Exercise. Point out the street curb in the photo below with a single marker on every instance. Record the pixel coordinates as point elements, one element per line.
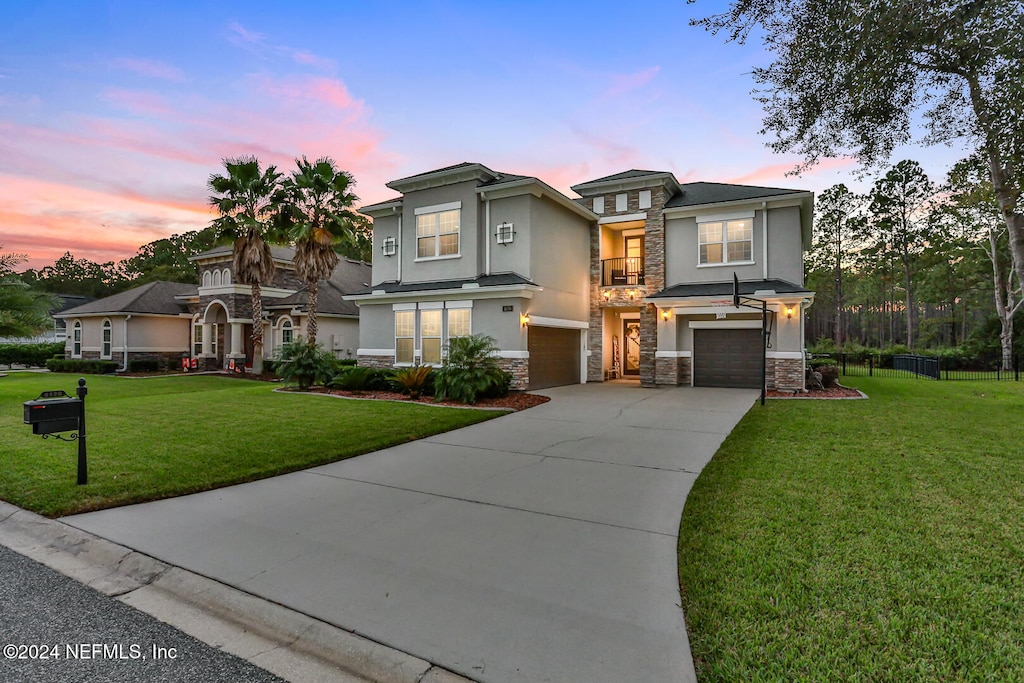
<point>287,643</point>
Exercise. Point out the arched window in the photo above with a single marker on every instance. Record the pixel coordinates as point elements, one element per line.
<point>216,278</point>
<point>107,330</point>
<point>207,278</point>
<point>76,340</point>
<point>227,277</point>
<point>287,332</point>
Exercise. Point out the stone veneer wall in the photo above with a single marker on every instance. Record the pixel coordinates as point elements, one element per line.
<point>519,368</point>
<point>788,374</point>
<point>386,362</point>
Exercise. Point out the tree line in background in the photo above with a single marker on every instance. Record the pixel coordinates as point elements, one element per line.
<point>914,264</point>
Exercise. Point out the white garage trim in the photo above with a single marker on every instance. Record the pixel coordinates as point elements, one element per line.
<point>725,324</point>
<point>543,321</point>
<point>511,354</point>
<point>785,355</point>
<point>673,354</point>
<point>375,352</point>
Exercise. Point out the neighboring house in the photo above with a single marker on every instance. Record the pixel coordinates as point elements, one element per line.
<point>632,279</point>
<point>212,322</point>
<point>57,332</point>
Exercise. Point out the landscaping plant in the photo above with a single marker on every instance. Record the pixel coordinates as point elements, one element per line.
<point>303,364</point>
<point>359,378</point>
<point>414,380</point>
<point>470,371</point>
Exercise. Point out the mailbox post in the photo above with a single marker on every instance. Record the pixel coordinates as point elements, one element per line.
<point>54,412</point>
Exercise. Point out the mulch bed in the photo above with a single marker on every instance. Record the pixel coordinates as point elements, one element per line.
<point>516,400</point>
<point>836,391</point>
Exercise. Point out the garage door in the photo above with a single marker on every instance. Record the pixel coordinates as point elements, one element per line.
<point>727,358</point>
<point>554,356</point>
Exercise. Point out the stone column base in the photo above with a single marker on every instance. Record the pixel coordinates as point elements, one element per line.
<point>788,374</point>
<point>519,368</point>
<point>386,362</point>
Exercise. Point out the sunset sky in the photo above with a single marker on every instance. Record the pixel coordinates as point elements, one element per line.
<point>114,114</point>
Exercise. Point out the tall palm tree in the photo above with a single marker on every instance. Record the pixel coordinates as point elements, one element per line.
<point>249,199</point>
<point>319,217</point>
<point>23,312</point>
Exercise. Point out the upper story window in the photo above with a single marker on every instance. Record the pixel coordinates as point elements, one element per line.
<point>726,241</point>
<point>437,232</point>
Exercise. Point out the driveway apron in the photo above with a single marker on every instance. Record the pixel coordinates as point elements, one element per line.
<point>539,546</point>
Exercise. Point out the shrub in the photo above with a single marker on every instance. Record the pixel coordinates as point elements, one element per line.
<point>144,365</point>
<point>360,378</point>
<point>31,355</point>
<point>413,380</point>
<point>304,364</point>
<point>470,370</point>
<point>81,366</point>
<point>829,375</point>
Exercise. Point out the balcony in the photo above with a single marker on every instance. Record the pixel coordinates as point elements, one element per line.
<point>624,271</point>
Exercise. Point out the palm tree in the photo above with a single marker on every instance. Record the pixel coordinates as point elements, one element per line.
<point>249,200</point>
<point>23,312</point>
<point>318,214</point>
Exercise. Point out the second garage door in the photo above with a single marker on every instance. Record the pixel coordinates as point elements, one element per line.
<point>727,358</point>
<point>554,356</point>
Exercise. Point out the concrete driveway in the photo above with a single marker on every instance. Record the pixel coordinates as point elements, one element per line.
<point>539,546</point>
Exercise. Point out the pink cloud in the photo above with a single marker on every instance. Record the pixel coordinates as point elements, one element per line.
<point>310,59</point>
<point>307,89</point>
<point>137,102</point>
<point>149,68</point>
<point>239,33</point>
<point>624,83</point>
<point>778,174</point>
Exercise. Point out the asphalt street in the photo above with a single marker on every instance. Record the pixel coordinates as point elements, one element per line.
<point>53,628</point>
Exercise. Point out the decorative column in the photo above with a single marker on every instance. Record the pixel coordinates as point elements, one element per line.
<point>237,330</point>
<point>207,339</point>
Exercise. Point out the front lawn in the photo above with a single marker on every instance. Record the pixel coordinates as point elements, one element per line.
<point>878,540</point>
<point>167,436</point>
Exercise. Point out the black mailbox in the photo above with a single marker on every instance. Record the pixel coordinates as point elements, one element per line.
<point>49,416</point>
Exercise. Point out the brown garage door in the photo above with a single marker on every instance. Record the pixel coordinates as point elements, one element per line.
<point>554,356</point>
<point>727,358</point>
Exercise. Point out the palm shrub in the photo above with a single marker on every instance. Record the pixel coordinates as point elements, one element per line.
<point>413,381</point>
<point>304,364</point>
<point>470,370</point>
<point>359,378</point>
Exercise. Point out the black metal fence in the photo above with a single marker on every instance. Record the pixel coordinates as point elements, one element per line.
<point>983,368</point>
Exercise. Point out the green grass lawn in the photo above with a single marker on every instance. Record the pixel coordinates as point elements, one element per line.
<point>161,437</point>
<point>878,540</point>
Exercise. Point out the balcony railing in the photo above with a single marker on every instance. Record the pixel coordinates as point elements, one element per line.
<point>627,270</point>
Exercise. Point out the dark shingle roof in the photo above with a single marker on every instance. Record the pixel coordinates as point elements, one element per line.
<point>349,277</point>
<point>747,288</point>
<point>698,194</point>
<point>280,253</point>
<point>154,297</point>
<point>482,281</point>
<point>625,175</point>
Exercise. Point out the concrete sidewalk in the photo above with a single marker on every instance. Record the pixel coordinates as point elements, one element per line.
<point>540,546</point>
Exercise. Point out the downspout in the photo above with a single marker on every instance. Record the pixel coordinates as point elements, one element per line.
<point>124,343</point>
<point>764,238</point>
<point>399,247</point>
<point>487,235</point>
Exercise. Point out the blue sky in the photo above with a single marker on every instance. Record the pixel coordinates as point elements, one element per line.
<point>114,114</point>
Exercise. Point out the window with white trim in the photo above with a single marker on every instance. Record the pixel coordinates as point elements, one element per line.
<point>107,339</point>
<point>726,241</point>
<point>459,320</point>
<point>389,247</point>
<point>437,234</point>
<point>430,336</point>
<point>405,336</point>
<point>197,337</point>
<point>287,332</point>
<point>76,340</point>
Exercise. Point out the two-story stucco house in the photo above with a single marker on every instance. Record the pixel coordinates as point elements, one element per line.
<point>632,279</point>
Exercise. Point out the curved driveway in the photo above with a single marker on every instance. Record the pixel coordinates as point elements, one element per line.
<point>539,546</point>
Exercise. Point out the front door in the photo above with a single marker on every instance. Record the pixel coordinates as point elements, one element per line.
<point>634,247</point>
<point>631,349</point>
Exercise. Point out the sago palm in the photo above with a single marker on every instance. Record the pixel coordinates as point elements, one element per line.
<point>319,217</point>
<point>249,199</point>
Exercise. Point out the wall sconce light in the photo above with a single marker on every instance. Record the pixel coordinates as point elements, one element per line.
<point>607,294</point>
<point>524,319</point>
<point>632,294</point>
<point>789,311</point>
<point>665,313</point>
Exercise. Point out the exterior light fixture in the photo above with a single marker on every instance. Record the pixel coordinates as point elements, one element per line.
<point>665,313</point>
<point>524,319</point>
<point>632,294</point>
<point>607,294</point>
<point>789,311</point>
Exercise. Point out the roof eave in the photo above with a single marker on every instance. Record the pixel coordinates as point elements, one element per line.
<point>538,188</point>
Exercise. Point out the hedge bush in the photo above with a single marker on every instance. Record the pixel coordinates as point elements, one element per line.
<point>81,366</point>
<point>143,365</point>
<point>32,355</point>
